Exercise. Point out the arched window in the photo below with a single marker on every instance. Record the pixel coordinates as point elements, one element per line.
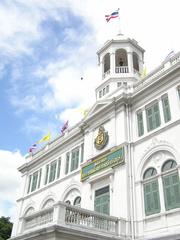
<point>135,61</point>
<point>106,62</point>
<point>121,58</point>
<point>77,201</point>
<point>151,192</point>
<point>171,184</point>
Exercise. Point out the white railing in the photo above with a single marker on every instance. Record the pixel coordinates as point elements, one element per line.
<point>63,214</point>
<point>122,69</point>
<point>37,219</point>
<point>90,219</point>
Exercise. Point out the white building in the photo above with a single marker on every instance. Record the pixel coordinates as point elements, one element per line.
<point>115,175</point>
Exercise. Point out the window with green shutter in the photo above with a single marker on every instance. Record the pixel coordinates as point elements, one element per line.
<point>58,167</point>
<point>52,172</point>
<point>29,184</point>
<point>74,159</point>
<point>153,117</point>
<point>151,192</point>
<point>140,124</point>
<point>171,185</point>
<point>34,181</point>
<point>102,200</point>
<point>166,108</point>
<point>67,163</point>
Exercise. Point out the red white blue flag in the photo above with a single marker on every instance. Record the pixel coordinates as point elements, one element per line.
<point>31,149</point>
<point>112,15</point>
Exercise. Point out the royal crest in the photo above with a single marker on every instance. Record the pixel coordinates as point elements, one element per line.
<point>102,139</point>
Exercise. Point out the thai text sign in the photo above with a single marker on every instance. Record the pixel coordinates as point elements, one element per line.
<point>111,159</point>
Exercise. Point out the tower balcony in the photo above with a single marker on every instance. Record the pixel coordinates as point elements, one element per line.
<point>72,219</point>
<point>121,71</point>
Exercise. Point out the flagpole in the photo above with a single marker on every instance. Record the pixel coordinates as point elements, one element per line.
<point>119,24</point>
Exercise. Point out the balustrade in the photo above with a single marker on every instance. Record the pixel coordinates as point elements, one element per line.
<point>122,69</point>
<point>64,214</point>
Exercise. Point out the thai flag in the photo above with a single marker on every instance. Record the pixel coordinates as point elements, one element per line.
<point>112,15</point>
<point>34,146</point>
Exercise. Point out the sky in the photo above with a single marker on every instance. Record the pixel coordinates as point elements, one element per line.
<point>46,47</point>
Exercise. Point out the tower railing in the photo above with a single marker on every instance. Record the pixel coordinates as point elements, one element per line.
<point>122,69</point>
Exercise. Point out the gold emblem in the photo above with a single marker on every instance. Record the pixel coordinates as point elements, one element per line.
<point>102,139</point>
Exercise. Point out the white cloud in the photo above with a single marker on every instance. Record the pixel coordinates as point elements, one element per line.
<point>10,180</point>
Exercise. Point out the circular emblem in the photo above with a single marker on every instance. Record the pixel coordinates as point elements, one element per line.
<point>102,139</point>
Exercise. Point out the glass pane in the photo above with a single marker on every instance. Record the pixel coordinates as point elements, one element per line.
<point>169,165</point>
<point>149,173</point>
<point>166,108</point>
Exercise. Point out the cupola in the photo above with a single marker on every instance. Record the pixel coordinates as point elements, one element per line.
<point>121,64</point>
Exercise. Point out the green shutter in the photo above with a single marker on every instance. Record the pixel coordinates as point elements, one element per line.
<point>29,184</point>
<point>153,117</point>
<point>52,173</point>
<point>140,124</point>
<point>47,174</point>
<point>171,186</point>
<point>102,201</point>
<point>74,159</point>
<point>39,181</point>
<point>67,164</point>
<point>166,108</point>
<point>34,181</point>
<point>151,197</point>
<point>82,152</point>
<point>59,168</point>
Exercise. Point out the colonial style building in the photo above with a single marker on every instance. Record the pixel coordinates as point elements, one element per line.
<point>115,175</point>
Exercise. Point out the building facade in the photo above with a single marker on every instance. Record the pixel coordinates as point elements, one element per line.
<point>115,175</point>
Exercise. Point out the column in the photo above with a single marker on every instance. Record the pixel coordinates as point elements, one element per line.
<point>112,63</point>
<point>130,62</point>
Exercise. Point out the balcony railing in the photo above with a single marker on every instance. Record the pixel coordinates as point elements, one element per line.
<point>64,215</point>
<point>122,69</point>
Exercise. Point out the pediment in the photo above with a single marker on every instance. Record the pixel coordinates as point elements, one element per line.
<point>98,106</point>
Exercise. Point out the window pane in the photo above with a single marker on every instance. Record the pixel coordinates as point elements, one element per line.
<point>74,159</point>
<point>39,181</point>
<point>102,200</point>
<point>153,117</point>
<point>149,173</point>
<point>151,198</point>
<point>166,108</point>
<point>67,163</point>
<point>29,185</point>
<point>140,124</point>
<point>52,173</point>
<point>169,165</point>
<point>59,168</point>
<point>171,187</point>
<point>34,181</point>
<point>47,174</point>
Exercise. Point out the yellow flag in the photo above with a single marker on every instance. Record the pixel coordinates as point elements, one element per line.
<point>144,74</point>
<point>45,138</point>
<point>84,111</point>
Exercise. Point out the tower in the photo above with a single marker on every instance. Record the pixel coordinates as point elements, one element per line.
<point>121,64</point>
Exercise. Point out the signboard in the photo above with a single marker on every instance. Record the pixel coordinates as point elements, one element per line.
<point>111,159</point>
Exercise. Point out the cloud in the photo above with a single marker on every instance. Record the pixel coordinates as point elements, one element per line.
<point>10,181</point>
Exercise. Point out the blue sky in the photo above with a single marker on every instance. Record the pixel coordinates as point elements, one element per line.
<point>46,46</point>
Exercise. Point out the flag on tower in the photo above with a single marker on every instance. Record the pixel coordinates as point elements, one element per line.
<point>34,146</point>
<point>112,15</point>
<point>65,126</point>
<point>45,138</point>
